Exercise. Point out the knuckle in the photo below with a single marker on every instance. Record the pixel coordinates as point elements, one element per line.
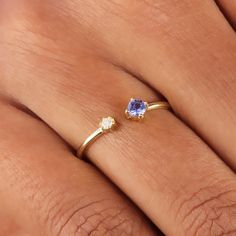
<point>208,212</point>
<point>93,217</point>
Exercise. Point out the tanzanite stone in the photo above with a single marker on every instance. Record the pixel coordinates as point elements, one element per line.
<point>136,108</point>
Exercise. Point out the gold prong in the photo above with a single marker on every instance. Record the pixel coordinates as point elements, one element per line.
<point>127,114</point>
<point>131,99</point>
<point>141,117</point>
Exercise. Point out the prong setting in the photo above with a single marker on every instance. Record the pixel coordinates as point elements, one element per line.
<point>136,109</point>
<point>107,123</point>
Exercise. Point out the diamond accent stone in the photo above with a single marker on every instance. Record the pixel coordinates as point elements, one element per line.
<point>107,123</point>
<point>136,108</point>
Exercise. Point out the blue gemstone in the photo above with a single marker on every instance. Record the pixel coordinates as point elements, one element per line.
<point>136,108</point>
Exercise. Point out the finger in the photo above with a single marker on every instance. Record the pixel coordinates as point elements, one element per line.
<point>184,73</point>
<point>188,55</point>
<point>228,7</point>
<point>48,192</point>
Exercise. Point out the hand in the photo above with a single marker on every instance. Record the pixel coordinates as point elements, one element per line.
<point>65,64</point>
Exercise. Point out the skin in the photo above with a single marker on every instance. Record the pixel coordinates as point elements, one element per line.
<point>64,65</point>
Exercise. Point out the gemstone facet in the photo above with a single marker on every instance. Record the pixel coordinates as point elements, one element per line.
<point>107,123</point>
<point>136,108</point>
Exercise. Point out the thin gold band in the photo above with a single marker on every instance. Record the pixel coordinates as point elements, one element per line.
<point>158,105</point>
<point>88,141</point>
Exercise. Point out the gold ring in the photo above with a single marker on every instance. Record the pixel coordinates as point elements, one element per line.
<point>137,108</point>
<point>106,125</point>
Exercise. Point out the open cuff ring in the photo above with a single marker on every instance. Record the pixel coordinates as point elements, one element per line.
<point>136,110</point>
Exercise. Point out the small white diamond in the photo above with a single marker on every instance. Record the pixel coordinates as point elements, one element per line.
<point>107,123</point>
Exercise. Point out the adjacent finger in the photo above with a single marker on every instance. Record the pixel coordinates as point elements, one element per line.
<point>228,7</point>
<point>48,192</point>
